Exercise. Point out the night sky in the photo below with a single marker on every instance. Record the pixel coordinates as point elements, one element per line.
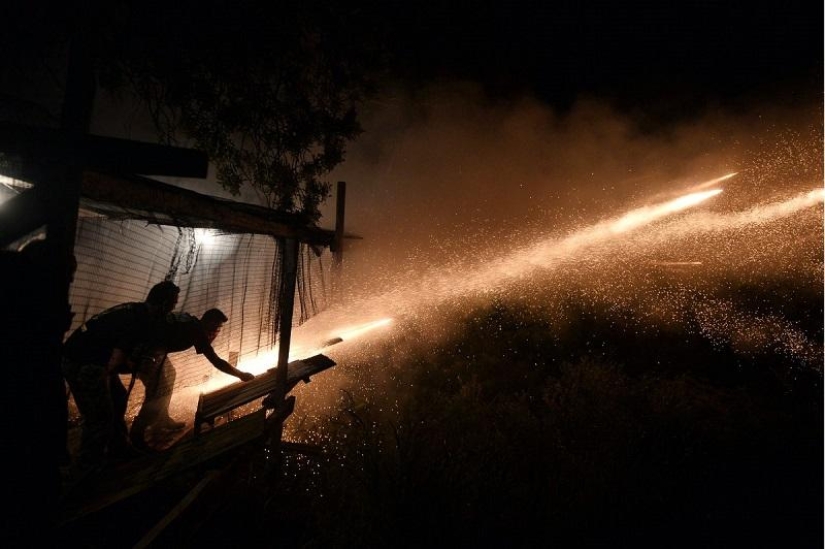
<point>635,53</point>
<point>666,58</point>
<point>498,124</point>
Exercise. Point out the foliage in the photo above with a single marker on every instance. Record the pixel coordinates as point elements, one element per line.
<point>507,433</point>
<point>269,90</point>
<point>515,429</point>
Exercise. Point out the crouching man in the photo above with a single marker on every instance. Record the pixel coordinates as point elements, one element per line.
<point>178,332</point>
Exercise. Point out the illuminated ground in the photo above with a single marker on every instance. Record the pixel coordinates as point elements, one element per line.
<point>651,378</point>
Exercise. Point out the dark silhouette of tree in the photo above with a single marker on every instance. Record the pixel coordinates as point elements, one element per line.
<point>269,90</point>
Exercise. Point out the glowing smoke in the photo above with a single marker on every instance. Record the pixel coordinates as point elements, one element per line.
<point>448,196</point>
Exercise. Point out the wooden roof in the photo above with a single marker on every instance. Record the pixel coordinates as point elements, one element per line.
<point>137,197</point>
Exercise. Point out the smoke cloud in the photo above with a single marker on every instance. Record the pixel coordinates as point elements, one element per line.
<point>446,173</point>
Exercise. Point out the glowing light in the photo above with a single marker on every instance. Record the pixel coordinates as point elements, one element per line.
<point>11,187</point>
<point>603,232</point>
<point>758,215</point>
<point>268,359</point>
<point>351,332</point>
<point>205,237</point>
<point>713,182</point>
<point>644,216</point>
<point>14,183</point>
<point>260,363</point>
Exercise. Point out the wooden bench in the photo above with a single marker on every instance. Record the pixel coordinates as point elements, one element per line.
<point>119,482</point>
<point>224,400</point>
<point>196,447</point>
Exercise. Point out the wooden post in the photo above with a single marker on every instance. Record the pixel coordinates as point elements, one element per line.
<point>286,305</point>
<point>338,246</point>
<point>58,190</point>
<point>76,118</point>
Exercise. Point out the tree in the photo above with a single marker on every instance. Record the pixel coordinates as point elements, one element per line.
<point>269,90</point>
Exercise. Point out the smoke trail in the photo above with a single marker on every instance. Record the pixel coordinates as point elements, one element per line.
<point>597,242</point>
<point>706,222</point>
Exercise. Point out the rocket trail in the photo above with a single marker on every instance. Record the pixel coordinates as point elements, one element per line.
<point>351,332</point>
<point>449,283</point>
<point>708,223</point>
<point>349,321</point>
<point>712,182</point>
<point>548,253</point>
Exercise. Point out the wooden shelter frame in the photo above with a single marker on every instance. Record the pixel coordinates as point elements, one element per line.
<point>69,168</point>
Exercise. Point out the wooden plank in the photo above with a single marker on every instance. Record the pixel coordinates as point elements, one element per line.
<point>135,197</point>
<point>302,370</point>
<point>182,505</point>
<point>216,403</point>
<point>337,247</point>
<point>101,153</point>
<point>135,476</point>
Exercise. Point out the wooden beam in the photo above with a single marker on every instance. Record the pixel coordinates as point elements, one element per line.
<point>282,412</point>
<point>286,305</point>
<point>100,153</point>
<point>340,208</point>
<point>20,216</point>
<point>135,197</point>
<point>176,511</point>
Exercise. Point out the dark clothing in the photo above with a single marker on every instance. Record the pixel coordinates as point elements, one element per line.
<point>33,323</point>
<point>101,400</point>
<point>98,392</point>
<point>179,331</point>
<point>119,327</point>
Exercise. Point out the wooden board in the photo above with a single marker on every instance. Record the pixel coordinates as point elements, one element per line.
<point>102,153</point>
<point>191,448</point>
<point>117,483</point>
<point>216,403</point>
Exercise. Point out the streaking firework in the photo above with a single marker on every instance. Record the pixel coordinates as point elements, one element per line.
<point>645,216</point>
<point>352,332</point>
<point>545,254</point>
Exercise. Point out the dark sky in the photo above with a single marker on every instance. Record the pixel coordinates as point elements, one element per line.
<point>652,54</point>
<point>636,53</point>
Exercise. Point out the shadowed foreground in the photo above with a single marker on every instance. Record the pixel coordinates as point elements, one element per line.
<point>526,433</point>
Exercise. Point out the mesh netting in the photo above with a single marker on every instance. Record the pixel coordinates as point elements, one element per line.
<point>119,261</point>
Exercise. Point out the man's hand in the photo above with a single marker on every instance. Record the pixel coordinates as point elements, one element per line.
<point>246,376</point>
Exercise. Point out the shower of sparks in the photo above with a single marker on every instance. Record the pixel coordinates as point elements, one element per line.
<point>352,332</point>
<point>269,359</point>
<point>613,240</point>
<point>549,253</point>
<point>546,254</point>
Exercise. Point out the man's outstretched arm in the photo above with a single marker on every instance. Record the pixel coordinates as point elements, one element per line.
<point>225,367</point>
